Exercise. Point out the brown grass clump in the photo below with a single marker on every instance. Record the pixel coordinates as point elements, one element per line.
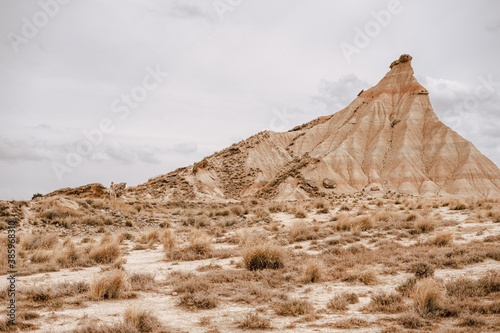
<point>201,245</point>
<point>43,241</point>
<point>359,223</point>
<point>368,277</point>
<point>150,237</point>
<point>301,231</point>
<point>441,239</point>
<point>350,323</point>
<point>464,288</point>
<point>423,225</point>
<point>427,296</point>
<point>203,300</point>
<point>142,281</point>
<point>412,320</point>
<point>313,272</point>
<point>341,301</point>
<point>260,256</point>
<point>168,240</point>
<point>300,213</point>
<point>41,256</point>
<point>422,270</point>
<point>106,251</point>
<point>389,303</point>
<point>108,286</point>
<point>142,320</point>
<point>254,321</point>
<point>293,307</point>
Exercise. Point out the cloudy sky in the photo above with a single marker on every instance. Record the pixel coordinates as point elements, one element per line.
<point>124,90</point>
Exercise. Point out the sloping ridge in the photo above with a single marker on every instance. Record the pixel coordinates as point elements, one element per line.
<point>387,139</point>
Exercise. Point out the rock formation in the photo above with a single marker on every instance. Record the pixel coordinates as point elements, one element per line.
<point>387,139</point>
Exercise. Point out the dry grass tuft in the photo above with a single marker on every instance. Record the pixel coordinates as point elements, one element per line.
<point>422,270</point>
<point>441,239</point>
<point>350,223</point>
<point>427,296</point>
<point>341,301</point>
<point>389,303</point>
<point>423,225</point>
<point>313,272</point>
<point>301,231</point>
<point>110,285</point>
<point>168,240</point>
<point>150,237</point>
<point>293,307</point>
<point>43,241</point>
<point>142,281</point>
<point>144,321</point>
<point>260,256</point>
<point>106,251</point>
<point>254,321</point>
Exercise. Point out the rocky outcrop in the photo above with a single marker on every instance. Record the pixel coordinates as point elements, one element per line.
<point>387,139</point>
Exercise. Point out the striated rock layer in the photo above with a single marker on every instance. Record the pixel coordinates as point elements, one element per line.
<point>387,139</point>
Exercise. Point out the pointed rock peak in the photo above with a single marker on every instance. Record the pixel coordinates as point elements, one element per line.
<point>405,58</point>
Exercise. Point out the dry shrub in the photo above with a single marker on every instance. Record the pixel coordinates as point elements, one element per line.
<point>200,244</point>
<point>351,323</point>
<point>168,240</point>
<point>313,272</point>
<point>142,320</point>
<point>200,299</point>
<point>43,241</point>
<point>472,321</point>
<point>150,237</point>
<point>458,205</point>
<point>301,231</point>
<point>41,256</point>
<point>254,321</point>
<point>142,281</point>
<point>406,288</point>
<point>341,301</point>
<point>463,288</point>
<point>293,307</point>
<point>238,210</point>
<point>412,320</point>
<point>384,302</point>
<point>259,256</point>
<point>106,251</point>
<point>441,239</point>
<point>300,213</point>
<point>69,255</point>
<point>109,285</point>
<point>276,208</point>
<point>422,270</point>
<point>367,276</point>
<point>423,225</point>
<point>39,293</point>
<point>427,296</point>
<point>350,223</point>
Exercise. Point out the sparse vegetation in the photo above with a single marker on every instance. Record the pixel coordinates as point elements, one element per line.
<point>260,256</point>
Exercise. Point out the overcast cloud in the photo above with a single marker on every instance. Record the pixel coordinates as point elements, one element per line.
<point>209,73</point>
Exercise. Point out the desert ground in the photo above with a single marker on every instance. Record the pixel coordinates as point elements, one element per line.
<point>386,263</point>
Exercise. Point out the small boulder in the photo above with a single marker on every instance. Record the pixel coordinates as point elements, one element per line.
<point>329,183</point>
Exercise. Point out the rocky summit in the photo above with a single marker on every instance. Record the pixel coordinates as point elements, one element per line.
<point>387,140</point>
